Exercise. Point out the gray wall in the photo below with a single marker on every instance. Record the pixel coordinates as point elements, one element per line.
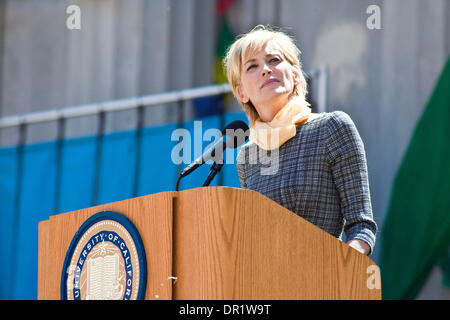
<point>125,48</point>
<point>382,78</point>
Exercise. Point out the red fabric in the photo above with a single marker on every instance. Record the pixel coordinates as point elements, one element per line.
<point>223,6</point>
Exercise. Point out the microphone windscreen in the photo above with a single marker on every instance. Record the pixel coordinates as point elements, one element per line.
<point>237,124</point>
<point>237,133</point>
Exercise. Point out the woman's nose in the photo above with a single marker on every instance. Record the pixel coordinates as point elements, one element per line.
<point>266,70</point>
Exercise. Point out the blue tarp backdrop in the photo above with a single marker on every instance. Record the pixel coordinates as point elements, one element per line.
<point>40,176</point>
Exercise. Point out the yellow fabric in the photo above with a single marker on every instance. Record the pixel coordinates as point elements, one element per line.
<point>272,135</point>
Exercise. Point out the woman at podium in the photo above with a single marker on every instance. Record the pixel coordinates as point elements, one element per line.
<point>312,164</point>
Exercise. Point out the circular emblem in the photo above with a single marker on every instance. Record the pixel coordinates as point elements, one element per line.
<point>105,261</point>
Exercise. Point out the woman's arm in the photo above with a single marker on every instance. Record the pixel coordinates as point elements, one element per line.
<point>240,162</point>
<point>348,165</point>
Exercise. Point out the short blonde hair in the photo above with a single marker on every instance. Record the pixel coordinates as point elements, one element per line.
<point>250,44</point>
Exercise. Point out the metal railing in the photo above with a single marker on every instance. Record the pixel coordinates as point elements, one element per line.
<point>110,106</point>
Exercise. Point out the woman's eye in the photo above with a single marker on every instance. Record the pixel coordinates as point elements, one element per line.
<point>250,67</point>
<point>274,59</point>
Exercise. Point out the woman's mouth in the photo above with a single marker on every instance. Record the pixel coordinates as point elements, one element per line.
<point>269,82</point>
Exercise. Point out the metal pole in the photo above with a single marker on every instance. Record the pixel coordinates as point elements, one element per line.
<point>98,157</point>
<point>322,89</point>
<point>116,105</point>
<point>17,204</point>
<point>139,131</point>
<point>59,163</point>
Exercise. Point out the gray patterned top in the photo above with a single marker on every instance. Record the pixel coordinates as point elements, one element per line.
<point>319,174</point>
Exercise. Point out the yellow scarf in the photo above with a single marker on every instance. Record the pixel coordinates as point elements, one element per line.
<point>271,135</point>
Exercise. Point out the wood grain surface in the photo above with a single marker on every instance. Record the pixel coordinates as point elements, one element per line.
<point>237,244</point>
<point>220,243</point>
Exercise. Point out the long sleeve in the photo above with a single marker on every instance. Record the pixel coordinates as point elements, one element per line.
<point>347,161</point>
<point>240,161</point>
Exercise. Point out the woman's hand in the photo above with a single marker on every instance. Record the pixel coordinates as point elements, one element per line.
<point>359,245</point>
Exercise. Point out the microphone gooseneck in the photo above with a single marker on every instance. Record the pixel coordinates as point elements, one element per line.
<point>233,135</point>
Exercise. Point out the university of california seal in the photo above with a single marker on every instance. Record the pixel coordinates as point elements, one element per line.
<point>105,261</point>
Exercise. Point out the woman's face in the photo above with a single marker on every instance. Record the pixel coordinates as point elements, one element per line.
<point>267,80</point>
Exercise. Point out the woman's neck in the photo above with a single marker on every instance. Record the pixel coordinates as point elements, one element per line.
<point>274,106</point>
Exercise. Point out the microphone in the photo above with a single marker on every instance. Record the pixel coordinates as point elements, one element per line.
<point>232,137</point>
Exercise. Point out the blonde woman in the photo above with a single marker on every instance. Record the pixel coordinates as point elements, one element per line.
<point>321,173</point>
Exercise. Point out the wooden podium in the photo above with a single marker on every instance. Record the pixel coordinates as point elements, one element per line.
<point>220,243</point>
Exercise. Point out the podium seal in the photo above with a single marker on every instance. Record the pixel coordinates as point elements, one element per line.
<point>105,261</point>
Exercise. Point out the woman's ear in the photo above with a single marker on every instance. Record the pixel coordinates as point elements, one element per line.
<point>295,76</point>
<point>242,96</point>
